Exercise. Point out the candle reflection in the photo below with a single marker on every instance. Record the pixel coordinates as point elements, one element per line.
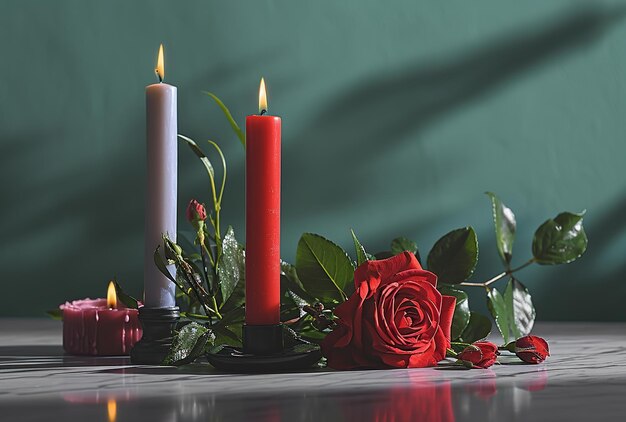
<point>112,410</point>
<point>440,396</point>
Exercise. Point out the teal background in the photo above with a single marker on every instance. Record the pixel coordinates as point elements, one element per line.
<point>397,116</point>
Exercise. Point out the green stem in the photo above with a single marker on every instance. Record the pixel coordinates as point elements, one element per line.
<point>205,269</point>
<point>206,251</point>
<point>499,276</point>
<point>217,312</point>
<point>198,295</point>
<point>217,201</point>
<point>529,262</point>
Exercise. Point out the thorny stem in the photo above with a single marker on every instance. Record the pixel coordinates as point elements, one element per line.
<point>499,276</point>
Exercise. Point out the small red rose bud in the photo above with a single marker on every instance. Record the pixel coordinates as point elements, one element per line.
<point>532,349</point>
<point>481,354</point>
<point>195,211</point>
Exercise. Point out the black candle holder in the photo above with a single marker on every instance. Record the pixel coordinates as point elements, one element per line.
<point>158,327</point>
<point>264,350</point>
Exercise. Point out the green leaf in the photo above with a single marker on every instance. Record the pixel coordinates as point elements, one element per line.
<point>291,284</point>
<point>201,155</point>
<point>324,268</point>
<point>237,299</point>
<point>127,300</point>
<point>521,309</point>
<point>228,335</point>
<point>479,327</point>
<point>361,255</point>
<point>461,317</point>
<point>236,316</point>
<point>199,318</point>
<point>231,267</point>
<point>504,222</point>
<point>228,329</point>
<point>560,240</point>
<point>500,312</point>
<point>190,342</point>
<point>229,117</point>
<point>56,314</point>
<point>161,265</point>
<point>401,244</point>
<point>454,256</point>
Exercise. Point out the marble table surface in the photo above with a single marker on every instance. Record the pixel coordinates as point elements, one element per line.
<point>584,379</point>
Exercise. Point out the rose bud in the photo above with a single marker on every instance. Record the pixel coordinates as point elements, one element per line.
<point>195,211</point>
<point>481,354</point>
<point>532,349</point>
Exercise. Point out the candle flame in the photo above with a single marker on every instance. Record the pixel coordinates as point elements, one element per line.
<point>111,296</point>
<point>262,98</point>
<point>112,410</point>
<point>160,68</point>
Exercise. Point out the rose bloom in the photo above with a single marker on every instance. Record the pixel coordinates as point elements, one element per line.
<point>396,318</point>
<point>532,349</point>
<point>481,354</point>
<point>195,211</point>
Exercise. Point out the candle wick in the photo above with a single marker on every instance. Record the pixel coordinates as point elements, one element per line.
<point>158,75</point>
<point>264,111</point>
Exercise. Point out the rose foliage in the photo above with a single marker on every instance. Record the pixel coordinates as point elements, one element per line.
<point>385,310</point>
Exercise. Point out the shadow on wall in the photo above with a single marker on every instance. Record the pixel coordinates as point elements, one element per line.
<point>373,117</point>
<point>73,236</point>
<point>400,103</point>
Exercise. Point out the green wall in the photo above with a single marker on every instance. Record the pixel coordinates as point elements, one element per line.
<point>397,116</point>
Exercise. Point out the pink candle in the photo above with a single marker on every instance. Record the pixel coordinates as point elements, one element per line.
<point>99,326</point>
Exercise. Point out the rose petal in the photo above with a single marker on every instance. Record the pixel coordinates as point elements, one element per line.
<point>386,268</point>
<point>423,360</point>
<point>418,275</point>
<point>448,303</point>
<point>395,361</point>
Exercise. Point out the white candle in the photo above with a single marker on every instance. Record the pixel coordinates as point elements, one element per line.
<point>160,214</point>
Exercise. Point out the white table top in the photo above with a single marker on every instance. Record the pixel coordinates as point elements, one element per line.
<point>584,379</point>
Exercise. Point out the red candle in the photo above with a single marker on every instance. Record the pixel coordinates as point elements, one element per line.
<point>262,216</point>
<point>99,326</point>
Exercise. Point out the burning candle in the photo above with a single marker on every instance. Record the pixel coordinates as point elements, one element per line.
<point>99,326</point>
<point>162,161</point>
<point>262,216</point>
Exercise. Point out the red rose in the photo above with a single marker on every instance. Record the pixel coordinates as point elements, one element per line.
<point>481,354</point>
<point>195,211</point>
<point>396,318</point>
<point>532,349</point>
